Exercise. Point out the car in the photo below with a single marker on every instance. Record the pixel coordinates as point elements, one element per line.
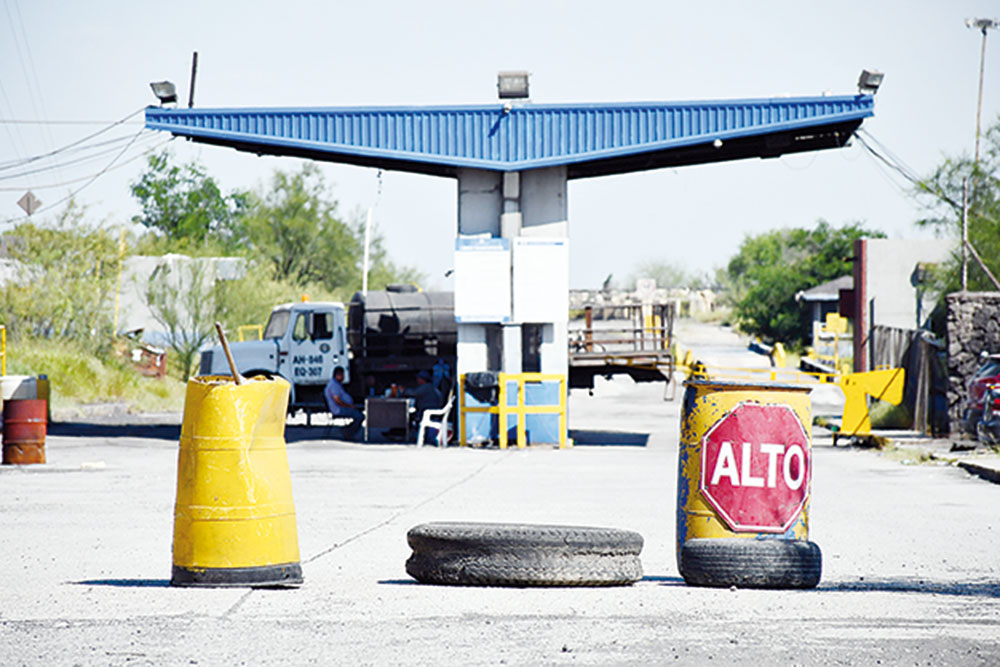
<point>986,375</point>
<point>988,429</point>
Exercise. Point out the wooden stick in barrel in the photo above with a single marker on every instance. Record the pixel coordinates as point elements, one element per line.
<point>229,355</point>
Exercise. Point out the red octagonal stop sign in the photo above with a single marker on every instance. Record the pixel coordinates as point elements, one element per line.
<point>756,467</point>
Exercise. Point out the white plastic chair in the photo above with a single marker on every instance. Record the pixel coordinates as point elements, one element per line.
<point>437,419</point>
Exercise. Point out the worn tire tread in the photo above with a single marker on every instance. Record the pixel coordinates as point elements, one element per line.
<point>480,554</point>
<point>750,563</point>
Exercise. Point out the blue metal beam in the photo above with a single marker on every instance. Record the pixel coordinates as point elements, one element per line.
<point>589,139</point>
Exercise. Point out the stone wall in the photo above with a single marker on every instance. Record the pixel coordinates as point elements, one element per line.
<point>973,327</point>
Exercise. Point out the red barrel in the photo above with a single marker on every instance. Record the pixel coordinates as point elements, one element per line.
<point>24,427</point>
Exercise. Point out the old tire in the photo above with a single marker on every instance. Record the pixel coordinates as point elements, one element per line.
<point>750,563</point>
<point>499,554</point>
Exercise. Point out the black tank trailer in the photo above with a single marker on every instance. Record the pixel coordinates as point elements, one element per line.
<point>395,333</point>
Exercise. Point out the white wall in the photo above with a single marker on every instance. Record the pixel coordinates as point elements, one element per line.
<point>889,265</point>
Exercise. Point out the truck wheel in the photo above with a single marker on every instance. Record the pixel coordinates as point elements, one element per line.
<point>522,555</point>
<point>750,563</point>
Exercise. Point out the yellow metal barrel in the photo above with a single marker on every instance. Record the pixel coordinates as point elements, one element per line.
<point>234,520</point>
<point>43,389</point>
<point>744,463</point>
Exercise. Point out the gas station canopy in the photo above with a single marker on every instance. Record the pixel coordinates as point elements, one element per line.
<point>588,139</point>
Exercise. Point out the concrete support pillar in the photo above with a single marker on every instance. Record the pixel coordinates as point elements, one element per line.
<point>514,205</point>
<point>512,348</point>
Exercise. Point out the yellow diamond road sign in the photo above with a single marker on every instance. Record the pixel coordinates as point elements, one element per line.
<point>29,202</point>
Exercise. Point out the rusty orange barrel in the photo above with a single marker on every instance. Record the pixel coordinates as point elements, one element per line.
<point>234,519</point>
<point>743,485</point>
<point>24,428</point>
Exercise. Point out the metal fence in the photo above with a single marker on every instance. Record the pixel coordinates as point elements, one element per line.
<point>922,355</point>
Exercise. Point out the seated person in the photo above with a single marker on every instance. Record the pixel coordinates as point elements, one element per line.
<point>339,402</point>
<point>424,395</point>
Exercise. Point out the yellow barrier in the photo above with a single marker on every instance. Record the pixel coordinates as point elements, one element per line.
<point>885,384</point>
<point>259,328</point>
<point>234,521</point>
<point>502,410</point>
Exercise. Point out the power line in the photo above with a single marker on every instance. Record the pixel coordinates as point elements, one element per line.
<point>890,159</point>
<point>144,153</point>
<point>11,164</point>
<point>35,158</point>
<point>79,160</point>
<point>35,96</point>
<point>27,121</point>
<point>89,182</point>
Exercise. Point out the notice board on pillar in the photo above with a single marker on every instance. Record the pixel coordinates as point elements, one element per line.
<point>482,279</point>
<point>541,279</point>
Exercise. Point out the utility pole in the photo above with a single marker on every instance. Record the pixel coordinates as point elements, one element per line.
<point>965,235</point>
<point>982,25</point>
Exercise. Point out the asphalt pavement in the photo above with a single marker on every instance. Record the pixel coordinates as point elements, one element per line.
<point>911,554</point>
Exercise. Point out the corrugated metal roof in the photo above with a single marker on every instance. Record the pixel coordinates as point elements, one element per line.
<point>590,139</point>
<point>828,291</point>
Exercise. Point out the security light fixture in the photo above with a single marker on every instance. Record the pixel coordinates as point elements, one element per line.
<point>165,91</point>
<point>869,81</point>
<point>983,24</point>
<point>512,85</point>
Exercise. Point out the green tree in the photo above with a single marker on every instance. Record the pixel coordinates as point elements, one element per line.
<point>65,275</point>
<point>941,193</point>
<point>771,268</point>
<point>182,296</point>
<point>183,203</point>
<point>294,226</point>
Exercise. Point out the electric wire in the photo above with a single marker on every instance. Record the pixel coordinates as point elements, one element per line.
<point>150,149</point>
<point>15,142</point>
<point>28,121</point>
<point>898,166</point>
<point>27,62</point>
<point>88,183</point>
<point>78,149</point>
<point>886,157</point>
<point>76,161</point>
<point>42,156</point>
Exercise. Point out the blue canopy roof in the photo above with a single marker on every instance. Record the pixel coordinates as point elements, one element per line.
<point>589,139</point>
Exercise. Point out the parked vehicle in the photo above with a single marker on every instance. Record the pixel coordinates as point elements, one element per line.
<point>986,375</point>
<point>988,429</point>
<point>381,339</point>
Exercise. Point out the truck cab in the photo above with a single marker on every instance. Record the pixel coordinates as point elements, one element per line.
<point>302,342</point>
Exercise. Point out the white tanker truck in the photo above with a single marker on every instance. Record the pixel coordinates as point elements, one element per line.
<point>388,336</point>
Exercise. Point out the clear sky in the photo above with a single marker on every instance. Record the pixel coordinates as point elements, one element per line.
<point>93,61</point>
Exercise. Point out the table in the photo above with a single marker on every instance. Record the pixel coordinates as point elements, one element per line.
<point>384,413</point>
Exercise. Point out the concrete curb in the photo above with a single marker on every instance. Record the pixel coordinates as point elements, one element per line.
<point>990,474</point>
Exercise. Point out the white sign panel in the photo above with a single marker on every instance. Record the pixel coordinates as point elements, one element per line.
<point>482,279</point>
<point>541,279</point>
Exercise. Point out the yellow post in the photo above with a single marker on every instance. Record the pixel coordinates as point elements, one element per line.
<point>258,328</point>
<point>502,413</point>
<point>234,520</point>
<point>118,291</point>
<point>3,350</point>
<point>461,411</point>
<point>563,441</point>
